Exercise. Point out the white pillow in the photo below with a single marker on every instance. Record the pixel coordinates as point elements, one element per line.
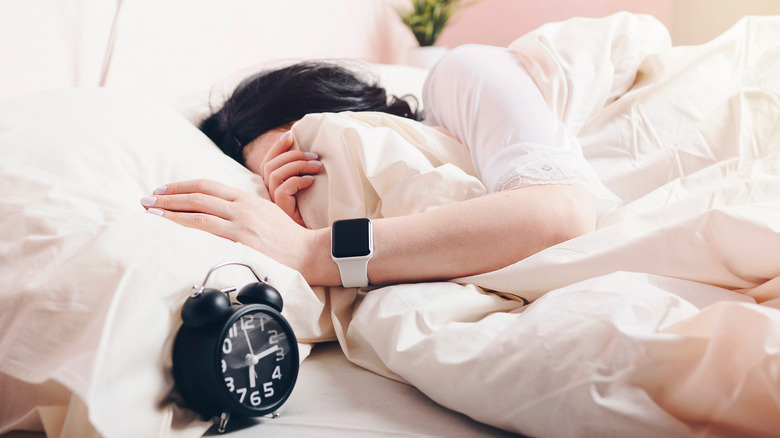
<point>92,284</point>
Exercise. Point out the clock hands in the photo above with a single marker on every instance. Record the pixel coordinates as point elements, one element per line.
<point>252,359</point>
<point>256,358</point>
<point>252,376</point>
<point>249,360</point>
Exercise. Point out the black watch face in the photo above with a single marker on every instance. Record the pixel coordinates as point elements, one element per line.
<point>258,360</point>
<point>350,238</point>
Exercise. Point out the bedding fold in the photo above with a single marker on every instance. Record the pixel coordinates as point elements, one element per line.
<point>629,324</point>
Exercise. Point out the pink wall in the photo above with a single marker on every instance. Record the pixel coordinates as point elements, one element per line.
<point>499,22</point>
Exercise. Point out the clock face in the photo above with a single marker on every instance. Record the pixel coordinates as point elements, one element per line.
<point>258,360</point>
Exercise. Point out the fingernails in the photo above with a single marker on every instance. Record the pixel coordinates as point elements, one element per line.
<point>285,135</point>
<point>307,176</point>
<point>155,211</point>
<point>148,201</point>
<point>312,155</point>
<point>160,190</point>
<point>315,162</point>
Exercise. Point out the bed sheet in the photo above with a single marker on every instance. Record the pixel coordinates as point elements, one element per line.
<point>335,398</point>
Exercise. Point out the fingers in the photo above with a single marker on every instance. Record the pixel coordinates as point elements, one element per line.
<point>294,185</point>
<point>288,157</point>
<point>285,196</point>
<point>205,222</point>
<point>285,142</point>
<point>203,204</point>
<point>282,162</point>
<point>290,170</point>
<point>232,214</point>
<point>195,197</point>
<point>204,186</point>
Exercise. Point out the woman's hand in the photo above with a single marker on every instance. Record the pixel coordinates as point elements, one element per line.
<point>233,214</point>
<point>286,172</point>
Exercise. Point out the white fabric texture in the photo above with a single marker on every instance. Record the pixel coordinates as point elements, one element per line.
<point>94,285</point>
<point>485,97</point>
<point>53,44</point>
<point>217,38</point>
<point>663,322</point>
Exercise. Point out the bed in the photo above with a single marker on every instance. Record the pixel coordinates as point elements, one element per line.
<point>665,321</point>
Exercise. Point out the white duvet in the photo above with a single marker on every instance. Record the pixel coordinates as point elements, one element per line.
<point>663,322</point>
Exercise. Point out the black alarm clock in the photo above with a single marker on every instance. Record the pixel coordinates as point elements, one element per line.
<point>234,360</point>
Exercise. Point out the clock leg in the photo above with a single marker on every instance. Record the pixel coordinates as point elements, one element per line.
<point>223,421</point>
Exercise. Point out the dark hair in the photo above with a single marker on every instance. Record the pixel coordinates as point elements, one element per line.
<point>271,99</point>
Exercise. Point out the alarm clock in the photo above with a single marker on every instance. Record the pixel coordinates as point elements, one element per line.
<point>234,359</point>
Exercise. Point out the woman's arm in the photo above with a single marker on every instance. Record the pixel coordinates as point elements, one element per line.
<point>470,237</point>
<point>491,104</point>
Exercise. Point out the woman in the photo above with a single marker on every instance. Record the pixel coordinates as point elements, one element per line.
<point>542,190</point>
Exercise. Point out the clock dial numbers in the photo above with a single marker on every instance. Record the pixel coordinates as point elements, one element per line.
<point>229,383</point>
<point>247,322</point>
<point>255,363</point>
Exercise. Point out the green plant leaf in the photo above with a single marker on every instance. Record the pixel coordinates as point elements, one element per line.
<point>428,18</point>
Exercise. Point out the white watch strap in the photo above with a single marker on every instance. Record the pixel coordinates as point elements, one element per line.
<point>354,271</point>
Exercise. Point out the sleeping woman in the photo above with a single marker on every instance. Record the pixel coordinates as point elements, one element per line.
<point>541,189</point>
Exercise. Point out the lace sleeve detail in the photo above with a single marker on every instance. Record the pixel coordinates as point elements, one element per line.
<point>551,168</point>
<point>534,169</point>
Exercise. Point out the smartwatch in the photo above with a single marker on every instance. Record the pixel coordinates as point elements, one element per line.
<point>352,245</point>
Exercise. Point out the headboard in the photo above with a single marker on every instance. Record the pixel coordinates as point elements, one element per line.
<point>173,47</point>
